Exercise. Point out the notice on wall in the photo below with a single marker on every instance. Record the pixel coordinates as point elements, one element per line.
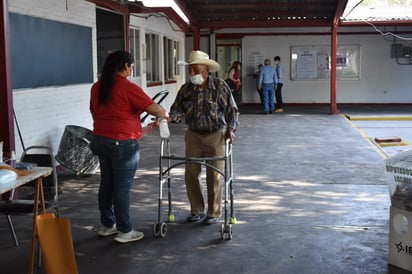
<point>253,60</point>
<point>314,62</point>
<point>306,65</point>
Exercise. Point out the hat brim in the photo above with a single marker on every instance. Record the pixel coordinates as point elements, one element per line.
<point>213,65</point>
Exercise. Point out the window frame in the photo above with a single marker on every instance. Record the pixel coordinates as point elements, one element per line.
<point>134,44</point>
<point>152,56</point>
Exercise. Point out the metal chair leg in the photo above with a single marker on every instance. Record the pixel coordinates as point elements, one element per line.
<point>16,242</point>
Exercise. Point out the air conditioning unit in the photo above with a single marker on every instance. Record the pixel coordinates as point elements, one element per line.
<point>407,52</point>
<point>397,51</point>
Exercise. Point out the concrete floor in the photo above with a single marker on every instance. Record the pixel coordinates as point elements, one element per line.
<point>310,197</point>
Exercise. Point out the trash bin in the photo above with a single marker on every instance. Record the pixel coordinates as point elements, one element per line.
<point>398,171</point>
<point>74,152</point>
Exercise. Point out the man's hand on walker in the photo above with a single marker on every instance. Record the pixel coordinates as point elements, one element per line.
<point>230,135</point>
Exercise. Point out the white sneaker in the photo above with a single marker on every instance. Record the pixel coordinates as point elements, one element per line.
<point>130,236</point>
<point>107,231</point>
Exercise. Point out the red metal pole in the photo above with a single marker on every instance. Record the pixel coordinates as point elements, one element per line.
<point>334,45</point>
<point>6,95</point>
<point>196,38</point>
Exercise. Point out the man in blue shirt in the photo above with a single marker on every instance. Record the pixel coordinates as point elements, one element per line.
<point>267,82</point>
<point>279,84</point>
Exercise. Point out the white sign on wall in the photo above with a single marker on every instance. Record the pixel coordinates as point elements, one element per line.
<point>313,62</point>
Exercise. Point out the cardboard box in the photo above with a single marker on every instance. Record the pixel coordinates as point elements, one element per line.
<point>398,170</point>
<point>400,238</point>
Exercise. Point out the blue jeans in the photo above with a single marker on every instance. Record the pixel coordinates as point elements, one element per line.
<point>268,93</point>
<point>118,165</point>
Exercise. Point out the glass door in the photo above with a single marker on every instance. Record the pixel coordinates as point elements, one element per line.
<point>229,51</point>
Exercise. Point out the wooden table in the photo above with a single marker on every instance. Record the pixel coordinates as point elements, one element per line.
<point>37,174</point>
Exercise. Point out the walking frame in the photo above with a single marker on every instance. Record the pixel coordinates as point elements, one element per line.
<point>167,162</point>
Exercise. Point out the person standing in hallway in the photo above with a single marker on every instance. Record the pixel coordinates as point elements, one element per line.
<point>279,84</point>
<point>256,77</point>
<point>234,75</point>
<point>267,83</point>
<point>208,108</point>
<point>116,105</point>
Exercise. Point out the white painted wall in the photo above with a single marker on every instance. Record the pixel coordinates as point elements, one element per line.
<point>382,80</point>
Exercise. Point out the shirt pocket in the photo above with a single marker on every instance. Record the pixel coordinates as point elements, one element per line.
<point>211,110</point>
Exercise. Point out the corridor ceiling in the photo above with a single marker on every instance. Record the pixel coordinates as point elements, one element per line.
<point>211,15</point>
<point>215,14</point>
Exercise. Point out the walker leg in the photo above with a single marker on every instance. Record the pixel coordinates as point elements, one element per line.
<point>170,215</point>
<point>232,209</point>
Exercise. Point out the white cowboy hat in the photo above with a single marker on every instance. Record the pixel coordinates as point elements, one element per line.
<point>201,58</point>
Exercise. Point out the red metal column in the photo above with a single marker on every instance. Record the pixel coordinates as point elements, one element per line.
<point>6,96</point>
<point>196,38</point>
<point>334,45</point>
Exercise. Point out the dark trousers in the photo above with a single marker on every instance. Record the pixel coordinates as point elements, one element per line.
<point>278,95</point>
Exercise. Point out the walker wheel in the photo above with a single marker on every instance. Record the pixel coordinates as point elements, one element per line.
<point>160,229</point>
<point>156,229</point>
<point>163,229</point>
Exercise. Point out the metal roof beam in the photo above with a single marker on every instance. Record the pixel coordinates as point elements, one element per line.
<point>266,23</point>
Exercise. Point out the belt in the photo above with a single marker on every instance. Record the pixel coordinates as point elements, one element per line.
<point>268,83</point>
<point>204,131</point>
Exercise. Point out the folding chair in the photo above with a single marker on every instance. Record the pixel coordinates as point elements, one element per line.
<point>21,200</point>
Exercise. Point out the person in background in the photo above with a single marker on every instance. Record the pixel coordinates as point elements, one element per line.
<point>256,76</point>
<point>208,108</point>
<point>116,105</point>
<point>234,75</point>
<point>279,84</point>
<point>267,82</point>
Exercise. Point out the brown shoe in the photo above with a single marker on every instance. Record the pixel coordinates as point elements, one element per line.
<point>279,110</point>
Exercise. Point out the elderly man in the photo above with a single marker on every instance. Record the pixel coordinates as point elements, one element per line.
<point>267,83</point>
<point>208,108</point>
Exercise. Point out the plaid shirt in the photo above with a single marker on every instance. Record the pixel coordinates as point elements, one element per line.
<point>206,109</point>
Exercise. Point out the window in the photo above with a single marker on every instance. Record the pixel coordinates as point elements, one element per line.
<point>171,49</point>
<point>135,50</point>
<point>176,57</point>
<point>152,58</point>
<point>110,34</point>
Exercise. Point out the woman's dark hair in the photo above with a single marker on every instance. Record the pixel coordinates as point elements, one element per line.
<point>114,63</point>
<point>235,66</point>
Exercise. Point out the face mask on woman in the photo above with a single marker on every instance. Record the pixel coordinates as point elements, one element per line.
<point>197,79</point>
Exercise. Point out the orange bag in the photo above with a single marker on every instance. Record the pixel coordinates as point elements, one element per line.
<point>55,238</point>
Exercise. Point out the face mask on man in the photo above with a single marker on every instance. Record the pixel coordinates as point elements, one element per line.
<point>197,79</point>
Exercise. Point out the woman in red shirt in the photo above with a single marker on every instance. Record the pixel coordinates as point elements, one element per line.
<point>116,105</point>
<point>234,75</point>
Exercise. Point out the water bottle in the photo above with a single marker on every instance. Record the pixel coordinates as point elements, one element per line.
<point>164,128</point>
<point>13,159</point>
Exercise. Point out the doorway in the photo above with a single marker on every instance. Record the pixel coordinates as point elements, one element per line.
<point>229,51</point>
<point>110,34</point>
